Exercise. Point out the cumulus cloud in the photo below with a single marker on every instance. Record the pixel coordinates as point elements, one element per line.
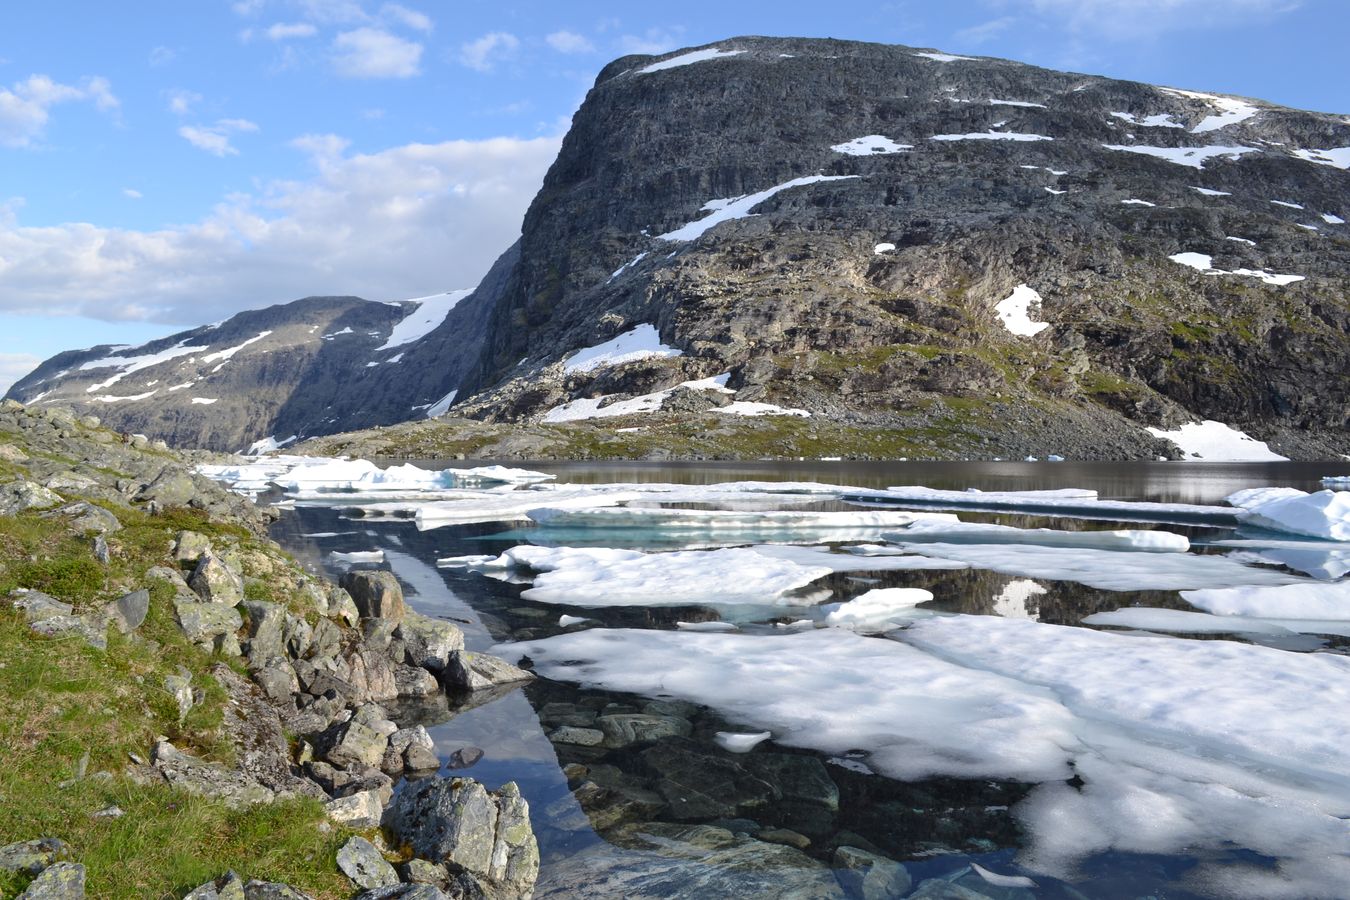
<point>1128,19</point>
<point>375,53</point>
<point>132,193</point>
<point>14,366</point>
<point>398,14</point>
<point>215,139</point>
<point>285,31</point>
<point>485,52</point>
<point>405,222</point>
<point>25,107</point>
<point>569,42</point>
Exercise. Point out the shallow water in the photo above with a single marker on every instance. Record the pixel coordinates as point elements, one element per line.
<point>935,826</point>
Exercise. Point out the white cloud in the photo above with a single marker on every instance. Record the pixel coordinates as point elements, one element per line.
<point>247,7</point>
<point>25,108</point>
<point>405,222</point>
<point>402,15</point>
<point>180,101</point>
<point>323,149</point>
<point>485,52</point>
<point>132,193</point>
<point>14,366</point>
<point>569,42</point>
<point>285,31</point>
<point>373,53</point>
<point>985,31</point>
<point>1127,19</point>
<point>162,56</point>
<point>653,41</point>
<point>215,139</point>
<point>333,11</point>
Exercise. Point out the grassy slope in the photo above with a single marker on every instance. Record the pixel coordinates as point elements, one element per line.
<point>62,700</point>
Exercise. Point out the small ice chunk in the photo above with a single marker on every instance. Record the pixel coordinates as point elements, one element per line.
<point>360,556</point>
<point>1005,881</point>
<point>564,621</point>
<point>978,533</point>
<point>878,610</point>
<point>1297,601</point>
<point>1324,514</point>
<point>714,626</point>
<point>740,743</point>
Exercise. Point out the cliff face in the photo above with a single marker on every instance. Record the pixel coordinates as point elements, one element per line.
<point>894,238</point>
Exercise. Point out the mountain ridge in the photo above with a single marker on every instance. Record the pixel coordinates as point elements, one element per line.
<point>1186,253</point>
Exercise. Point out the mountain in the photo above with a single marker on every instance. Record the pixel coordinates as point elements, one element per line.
<point>978,253</point>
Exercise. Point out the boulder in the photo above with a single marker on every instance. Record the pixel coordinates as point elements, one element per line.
<point>265,625</point>
<point>91,629</point>
<point>701,785</point>
<point>227,887</point>
<point>272,890</point>
<point>428,642</point>
<point>172,487</point>
<point>359,810</point>
<point>59,881</point>
<point>21,495</point>
<point>349,744</point>
<point>262,749</point>
<point>31,857</point>
<point>364,865</point>
<point>342,607</point>
<point>208,779</point>
<point>11,453</point>
<point>215,582</point>
<point>376,593</point>
<point>420,871</point>
<point>465,888</point>
<point>128,612</point>
<point>85,516</point>
<point>468,671</point>
<point>870,876</point>
<point>204,623</point>
<point>189,546</point>
<point>458,822</point>
<point>37,606</point>
<point>413,681</point>
<point>180,688</point>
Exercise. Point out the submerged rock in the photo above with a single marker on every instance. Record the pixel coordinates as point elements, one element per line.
<point>467,671</point>
<point>870,876</point>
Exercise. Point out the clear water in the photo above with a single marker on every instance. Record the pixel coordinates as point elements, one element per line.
<point>935,827</point>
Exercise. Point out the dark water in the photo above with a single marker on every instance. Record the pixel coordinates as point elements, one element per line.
<point>935,827</point>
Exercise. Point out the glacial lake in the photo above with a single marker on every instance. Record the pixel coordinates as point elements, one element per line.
<point>1122,813</point>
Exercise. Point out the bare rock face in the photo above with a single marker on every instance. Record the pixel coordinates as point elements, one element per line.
<point>377,594</point>
<point>458,822</point>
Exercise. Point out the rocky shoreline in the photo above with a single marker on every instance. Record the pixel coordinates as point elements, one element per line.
<point>312,677</point>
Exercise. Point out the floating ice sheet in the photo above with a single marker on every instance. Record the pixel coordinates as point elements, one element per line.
<point>1300,601</point>
<point>704,521</point>
<point>975,533</point>
<point>308,477</point>
<point>1111,570</point>
<point>597,577</point>
<point>1070,503</point>
<point>1324,514</point>
<point>878,610</point>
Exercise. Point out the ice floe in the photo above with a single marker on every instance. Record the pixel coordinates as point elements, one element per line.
<point>597,577</point>
<point>1324,514</point>
<point>686,59</point>
<point>1067,502</point>
<point>1013,312</point>
<point>1301,601</point>
<point>877,611</point>
<point>639,342</point>
<point>858,558</point>
<point>1195,157</point>
<point>1213,440</point>
<point>359,556</point>
<point>869,145</point>
<point>727,209</point>
<point>1110,570</point>
<point>711,521</point>
<point>429,313</point>
<point>979,533</point>
<point>306,477</point>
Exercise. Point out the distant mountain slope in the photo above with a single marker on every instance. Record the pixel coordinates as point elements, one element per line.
<point>882,236</point>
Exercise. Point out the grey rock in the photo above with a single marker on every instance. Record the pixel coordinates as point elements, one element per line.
<point>420,760</point>
<point>941,889</point>
<point>37,606</point>
<point>265,624</point>
<point>623,729</point>
<point>420,871</point>
<point>800,777</point>
<point>364,865</point>
<point>108,812</point>
<point>85,516</point>
<point>205,622</point>
<point>59,881</point>
<point>784,836</point>
<point>261,746</point>
<point>468,671</point>
<point>207,779</point>
<point>870,876</point>
<point>351,744</point>
<point>688,861</point>
<point>326,640</point>
<point>414,892</point>
<point>428,642</point>
<point>702,785</point>
<point>172,487</point>
<point>31,857</point>
<point>11,453</point>
<point>101,551</point>
<point>585,737</point>
<point>272,890</point>
<point>128,612</point>
<point>465,757</point>
<point>189,546</point>
<point>377,594</point>
<point>21,495</point>
<point>180,688</point>
<point>90,629</point>
<point>227,887</point>
<point>278,681</point>
<point>360,810</point>
<point>215,582</point>
<point>342,608</point>
<point>414,681</point>
<point>458,822</point>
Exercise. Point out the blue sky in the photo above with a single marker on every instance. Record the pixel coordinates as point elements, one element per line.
<point>166,164</point>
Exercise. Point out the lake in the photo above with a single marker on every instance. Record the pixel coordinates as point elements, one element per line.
<point>971,734</point>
